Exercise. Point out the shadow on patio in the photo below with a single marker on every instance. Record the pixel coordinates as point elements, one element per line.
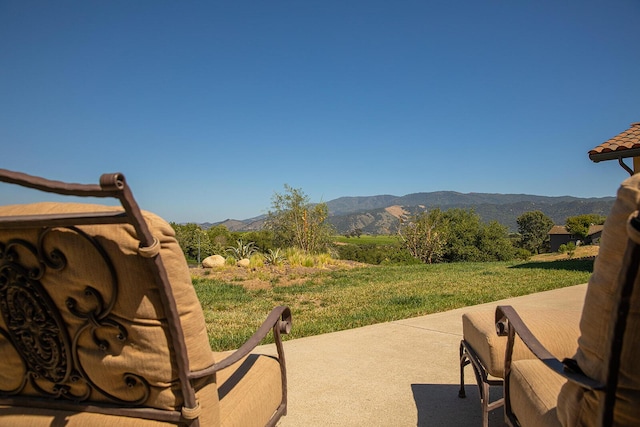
<point>439,405</point>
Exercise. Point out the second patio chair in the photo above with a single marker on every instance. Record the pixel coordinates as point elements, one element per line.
<point>484,350</point>
<point>600,384</point>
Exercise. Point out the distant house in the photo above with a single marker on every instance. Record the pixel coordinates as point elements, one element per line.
<point>559,235</point>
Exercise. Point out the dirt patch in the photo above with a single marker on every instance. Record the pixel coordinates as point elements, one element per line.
<point>397,211</point>
<point>269,276</point>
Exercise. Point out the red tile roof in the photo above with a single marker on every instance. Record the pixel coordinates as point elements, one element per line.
<point>625,144</point>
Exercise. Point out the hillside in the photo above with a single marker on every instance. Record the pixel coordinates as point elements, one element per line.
<point>381,214</point>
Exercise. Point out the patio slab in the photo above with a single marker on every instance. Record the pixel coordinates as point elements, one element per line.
<point>401,373</point>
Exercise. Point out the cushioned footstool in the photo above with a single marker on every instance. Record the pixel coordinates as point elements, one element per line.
<point>481,346</point>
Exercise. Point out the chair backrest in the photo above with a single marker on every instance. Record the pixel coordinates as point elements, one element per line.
<point>98,312</point>
<point>597,346</point>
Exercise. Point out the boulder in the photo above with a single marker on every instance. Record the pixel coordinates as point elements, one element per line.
<point>213,261</point>
<point>244,262</point>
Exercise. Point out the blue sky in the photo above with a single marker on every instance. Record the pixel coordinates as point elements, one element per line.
<point>209,108</point>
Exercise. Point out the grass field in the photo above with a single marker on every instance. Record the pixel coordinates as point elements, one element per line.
<point>327,301</point>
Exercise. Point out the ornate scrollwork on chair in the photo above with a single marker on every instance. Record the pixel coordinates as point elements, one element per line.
<point>35,326</point>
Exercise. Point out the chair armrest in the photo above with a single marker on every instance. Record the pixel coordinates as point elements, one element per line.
<point>279,320</point>
<point>509,323</point>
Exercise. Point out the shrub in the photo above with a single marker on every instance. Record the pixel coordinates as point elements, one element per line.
<point>323,259</point>
<point>257,260</point>
<point>263,239</point>
<point>569,249</point>
<point>273,257</point>
<point>376,254</point>
<point>522,254</point>
<point>294,256</point>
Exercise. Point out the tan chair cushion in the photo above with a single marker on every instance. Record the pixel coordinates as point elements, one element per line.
<point>574,407</point>
<point>137,307</point>
<point>557,329</point>
<point>32,417</point>
<point>534,391</point>
<point>250,391</point>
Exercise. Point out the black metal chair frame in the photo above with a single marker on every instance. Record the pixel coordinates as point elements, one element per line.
<point>468,356</point>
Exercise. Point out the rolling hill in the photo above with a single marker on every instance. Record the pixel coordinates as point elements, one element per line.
<point>381,214</point>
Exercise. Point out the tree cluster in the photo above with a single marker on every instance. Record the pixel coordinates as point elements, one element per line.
<point>198,243</point>
<point>293,222</point>
<point>455,235</point>
<point>434,236</point>
<point>534,230</point>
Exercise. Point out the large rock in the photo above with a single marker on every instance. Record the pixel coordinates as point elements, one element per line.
<point>213,261</point>
<point>244,262</point>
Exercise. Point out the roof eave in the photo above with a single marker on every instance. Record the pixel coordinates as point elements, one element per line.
<point>615,155</point>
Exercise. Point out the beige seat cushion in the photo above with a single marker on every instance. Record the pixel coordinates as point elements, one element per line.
<point>32,417</point>
<point>17,416</point>
<point>576,407</point>
<point>250,391</point>
<point>534,391</point>
<point>557,329</point>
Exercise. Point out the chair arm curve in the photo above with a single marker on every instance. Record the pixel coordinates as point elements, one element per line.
<point>509,323</point>
<point>279,319</point>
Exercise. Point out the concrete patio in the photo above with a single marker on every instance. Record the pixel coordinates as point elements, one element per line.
<point>402,373</point>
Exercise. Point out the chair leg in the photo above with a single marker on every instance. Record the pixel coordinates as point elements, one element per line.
<point>468,356</point>
<point>464,361</point>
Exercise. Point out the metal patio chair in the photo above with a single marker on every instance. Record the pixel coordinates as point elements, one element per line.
<point>484,350</point>
<point>100,324</point>
<point>600,384</point>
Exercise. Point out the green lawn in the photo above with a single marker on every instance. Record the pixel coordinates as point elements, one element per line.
<point>338,300</point>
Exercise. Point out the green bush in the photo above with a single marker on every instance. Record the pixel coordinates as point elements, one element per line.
<point>569,249</point>
<point>376,254</point>
<point>522,254</point>
<point>263,239</point>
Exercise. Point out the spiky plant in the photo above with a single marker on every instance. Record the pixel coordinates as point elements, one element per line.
<point>242,250</point>
<point>274,257</point>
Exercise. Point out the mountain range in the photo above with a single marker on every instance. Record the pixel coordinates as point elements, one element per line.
<point>382,214</point>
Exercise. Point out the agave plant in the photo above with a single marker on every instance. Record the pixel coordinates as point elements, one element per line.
<point>273,257</point>
<point>241,251</point>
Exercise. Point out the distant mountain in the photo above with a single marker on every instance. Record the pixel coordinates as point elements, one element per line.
<point>442,199</point>
<point>252,224</point>
<point>381,214</point>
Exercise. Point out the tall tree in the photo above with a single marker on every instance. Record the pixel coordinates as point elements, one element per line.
<point>424,236</point>
<point>579,225</point>
<point>494,242</point>
<point>534,229</point>
<point>296,222</point>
